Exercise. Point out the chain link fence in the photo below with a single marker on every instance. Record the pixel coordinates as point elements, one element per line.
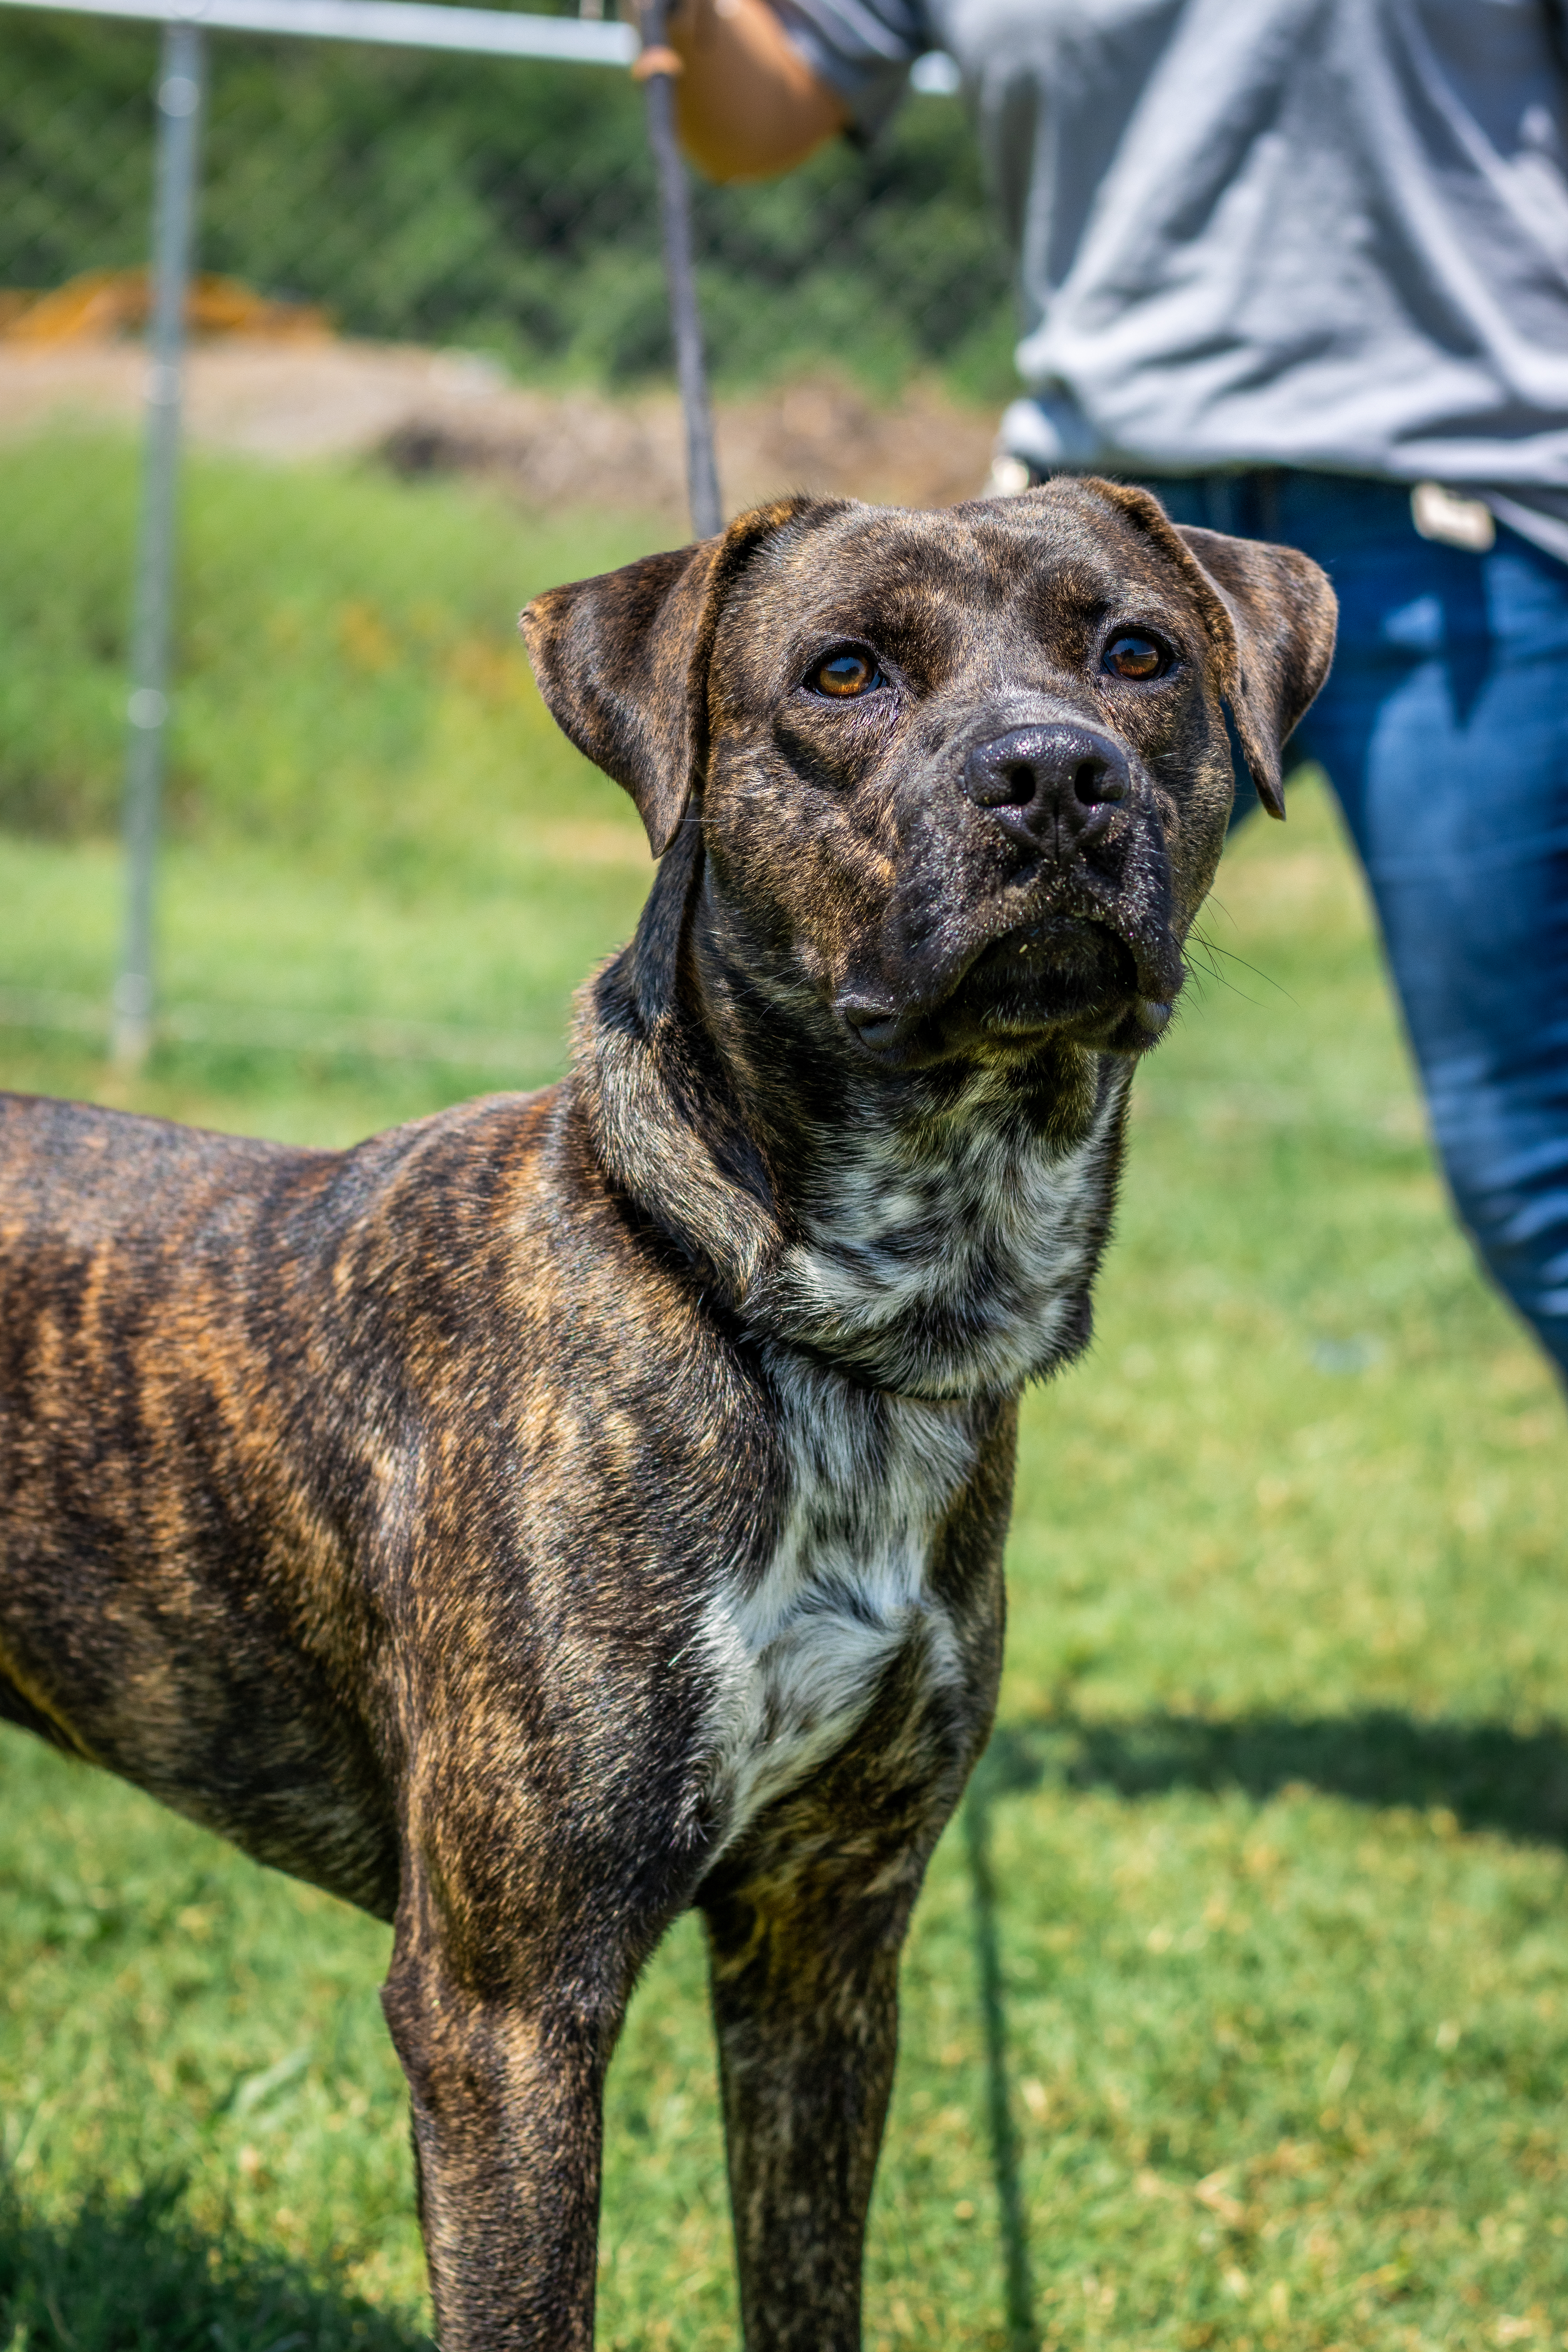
<point>503,206</point>
<point>447,224</point>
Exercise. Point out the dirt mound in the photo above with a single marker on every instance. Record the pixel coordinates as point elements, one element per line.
<point>102,305</point>
<point>453,411</point>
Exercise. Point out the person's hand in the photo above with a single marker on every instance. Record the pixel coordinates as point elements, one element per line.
<point>747,105</point>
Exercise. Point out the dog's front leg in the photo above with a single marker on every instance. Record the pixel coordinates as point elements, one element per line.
<point>506,2082</point>
<point>805,1958</point>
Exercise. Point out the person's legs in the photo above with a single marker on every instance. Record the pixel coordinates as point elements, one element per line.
<point>1444,731</point>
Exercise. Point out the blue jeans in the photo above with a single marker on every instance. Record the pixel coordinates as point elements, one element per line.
<point>1444,731</point>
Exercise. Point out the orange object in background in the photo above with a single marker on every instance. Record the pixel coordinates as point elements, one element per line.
<point>103,305</point>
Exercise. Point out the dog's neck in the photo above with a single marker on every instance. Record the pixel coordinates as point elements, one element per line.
<point>934,1233</point>
<point>952,1253</point>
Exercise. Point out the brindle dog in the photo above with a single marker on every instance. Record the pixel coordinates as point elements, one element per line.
<point>582,1505</point>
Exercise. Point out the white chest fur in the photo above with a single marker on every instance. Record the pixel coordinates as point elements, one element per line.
<point>947,1260</point>
<point>797,1651</point>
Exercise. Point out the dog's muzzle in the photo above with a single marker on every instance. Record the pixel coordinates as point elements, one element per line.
<point>1047,907</point>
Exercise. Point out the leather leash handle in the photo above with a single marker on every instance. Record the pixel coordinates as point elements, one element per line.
<point>656,68</point>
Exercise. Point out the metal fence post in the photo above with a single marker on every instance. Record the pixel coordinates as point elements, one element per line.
<point>658,66</point>
<point>181,78</point>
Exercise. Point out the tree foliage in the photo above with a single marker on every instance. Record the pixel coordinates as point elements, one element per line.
<point>507,204</point>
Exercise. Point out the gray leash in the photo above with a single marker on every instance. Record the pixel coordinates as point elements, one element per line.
<point>658,66</point>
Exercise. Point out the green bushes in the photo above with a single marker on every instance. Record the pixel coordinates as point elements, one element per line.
<point>504,205</point>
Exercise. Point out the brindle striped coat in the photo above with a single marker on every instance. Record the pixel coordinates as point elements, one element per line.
<point>578,1507</point>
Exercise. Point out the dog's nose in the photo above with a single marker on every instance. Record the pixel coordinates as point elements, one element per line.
<point>1049,786</point>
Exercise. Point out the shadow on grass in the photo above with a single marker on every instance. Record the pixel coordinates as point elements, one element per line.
<point>1488,1777</point>
<point>137,2276</point>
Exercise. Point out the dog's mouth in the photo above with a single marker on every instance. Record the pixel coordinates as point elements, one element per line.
<point>1068,974</point>
<point>1064,972</point>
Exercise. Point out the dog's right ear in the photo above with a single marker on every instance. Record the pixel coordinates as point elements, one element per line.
<point>622,663</point>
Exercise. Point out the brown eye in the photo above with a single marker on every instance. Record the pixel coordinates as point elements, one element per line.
<point>1133,655</point>
<point>846,674</point>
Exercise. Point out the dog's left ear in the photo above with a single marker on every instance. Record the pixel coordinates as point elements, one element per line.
<point>1283,615</point>
<point>622,663</point>
<point>1270,614</point>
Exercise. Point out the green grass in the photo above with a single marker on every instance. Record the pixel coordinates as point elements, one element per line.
<point>369,810</point>
<point>351,689</point>
<point>1237,2007</point>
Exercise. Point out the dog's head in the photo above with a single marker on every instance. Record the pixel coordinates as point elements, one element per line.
<point>961,778</point>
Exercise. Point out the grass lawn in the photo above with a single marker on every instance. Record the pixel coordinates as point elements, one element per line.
<point>1236,2007</point>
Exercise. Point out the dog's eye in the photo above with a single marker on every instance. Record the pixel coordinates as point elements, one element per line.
<point>1132,655</point>
<point>845,672</point>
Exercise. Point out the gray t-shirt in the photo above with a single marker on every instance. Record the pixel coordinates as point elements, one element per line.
<point>1320,233</point>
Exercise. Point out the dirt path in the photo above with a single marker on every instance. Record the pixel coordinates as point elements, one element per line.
<point>437,410</point>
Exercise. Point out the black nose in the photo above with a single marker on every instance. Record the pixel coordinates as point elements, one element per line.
<point>1049,787</point>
